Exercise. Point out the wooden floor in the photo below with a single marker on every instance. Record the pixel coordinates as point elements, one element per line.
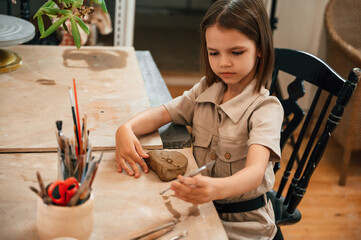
<point>329,211</point>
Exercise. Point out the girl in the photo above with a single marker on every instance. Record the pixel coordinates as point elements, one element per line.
<point>234,121</point>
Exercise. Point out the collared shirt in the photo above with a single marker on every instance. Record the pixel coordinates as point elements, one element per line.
<point>224,132</point>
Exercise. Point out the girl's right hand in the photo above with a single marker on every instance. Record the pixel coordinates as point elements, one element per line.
<point>129,152</point>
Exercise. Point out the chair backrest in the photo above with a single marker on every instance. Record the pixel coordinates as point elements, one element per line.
<point>306,67</point>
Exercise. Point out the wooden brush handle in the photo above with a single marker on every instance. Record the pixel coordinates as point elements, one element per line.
<point>153,229</point>
<point>157,234</point>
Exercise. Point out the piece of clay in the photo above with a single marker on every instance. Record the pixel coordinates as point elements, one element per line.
<point>167,164</point>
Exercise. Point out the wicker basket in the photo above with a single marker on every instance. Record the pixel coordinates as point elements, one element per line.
<point>343,30</point>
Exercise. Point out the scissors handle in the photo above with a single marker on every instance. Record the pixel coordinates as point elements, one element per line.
<point>59,197</point>
<point>61,192</point>
<point>72,187</point>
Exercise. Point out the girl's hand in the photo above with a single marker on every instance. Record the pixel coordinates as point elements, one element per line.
<point>198,189</point>
<point>128,150</point>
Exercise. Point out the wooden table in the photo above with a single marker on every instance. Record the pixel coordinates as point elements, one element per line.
<point>110,90</point>
<point>123,204</point>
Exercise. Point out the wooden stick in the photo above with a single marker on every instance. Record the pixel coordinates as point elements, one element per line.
<point>157,234</point>
<point>42,192</point>
<point>154,230</point>
<point>36,191</point>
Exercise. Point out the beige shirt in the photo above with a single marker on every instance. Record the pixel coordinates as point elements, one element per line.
<point>224,132</point>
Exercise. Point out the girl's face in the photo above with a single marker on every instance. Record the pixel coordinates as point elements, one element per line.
<point>232,55</point>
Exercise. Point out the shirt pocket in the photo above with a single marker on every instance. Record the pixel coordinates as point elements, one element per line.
<point>231,150</point>
<point>201,139</point>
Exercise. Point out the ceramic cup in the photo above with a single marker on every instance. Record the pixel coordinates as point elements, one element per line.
<point>58,222</point>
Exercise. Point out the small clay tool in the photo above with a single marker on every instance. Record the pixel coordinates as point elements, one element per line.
<point>153,231</point>
<point>180,235</point>
<point>192,174</point>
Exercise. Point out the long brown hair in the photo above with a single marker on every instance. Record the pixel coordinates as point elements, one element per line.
<point>250,18</point>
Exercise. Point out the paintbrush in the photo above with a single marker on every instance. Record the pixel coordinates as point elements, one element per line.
<point>42,192</point>
<point>84,187</point>
<point>74,117</point>
<point>77,117</point>
<point>89,151</point>
<point>36,191</point>
<point>96,168</point>
<point>46,199</point>
<point>192,174</point>
<point>59,126</point>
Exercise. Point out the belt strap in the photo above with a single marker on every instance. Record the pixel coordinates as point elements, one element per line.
<point>244,206</point>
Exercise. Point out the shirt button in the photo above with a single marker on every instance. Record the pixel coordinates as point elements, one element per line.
<point>213,156</point>
<point>227,155</point>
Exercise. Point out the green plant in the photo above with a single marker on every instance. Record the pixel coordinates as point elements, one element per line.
<point>72,10</point>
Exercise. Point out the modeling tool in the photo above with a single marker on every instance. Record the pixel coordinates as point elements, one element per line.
<point>192,174</point>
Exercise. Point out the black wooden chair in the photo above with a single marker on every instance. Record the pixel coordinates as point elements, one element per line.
<point>305,67</point>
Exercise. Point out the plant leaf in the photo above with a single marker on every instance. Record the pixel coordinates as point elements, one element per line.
<point>82,25</point>
<point>63,11</point>
<point>77,4</point>
<point>65,27</point>
<point>66,2</point>
<point>102,5</point>
<point>50,11</point>
<point>75,32</point>
<point>41,25</point>
<point>53,27</point>
<point>49,3</point>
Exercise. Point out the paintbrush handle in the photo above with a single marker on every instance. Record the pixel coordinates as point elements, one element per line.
<point>155,229</point>
<point>41,185</point>
<point>157,234</point>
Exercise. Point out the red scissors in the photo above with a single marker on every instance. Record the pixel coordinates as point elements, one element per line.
<point>61,192</point>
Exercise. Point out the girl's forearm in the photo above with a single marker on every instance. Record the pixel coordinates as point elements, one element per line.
<point>242,182</point>
<point>148,121</point>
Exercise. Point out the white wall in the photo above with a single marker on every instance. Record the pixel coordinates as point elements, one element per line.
<point>300,26</point>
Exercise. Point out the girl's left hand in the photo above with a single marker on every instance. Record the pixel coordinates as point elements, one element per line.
<point>198,189</point>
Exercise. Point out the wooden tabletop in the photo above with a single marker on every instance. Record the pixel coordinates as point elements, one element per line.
<point>113,84</point>
<point>122,204</point>
<point>110,90</point>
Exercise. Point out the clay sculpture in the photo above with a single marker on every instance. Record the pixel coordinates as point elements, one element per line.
<point>167,164</point>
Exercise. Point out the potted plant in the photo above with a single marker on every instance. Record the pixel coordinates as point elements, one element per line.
<point>67,10</point>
